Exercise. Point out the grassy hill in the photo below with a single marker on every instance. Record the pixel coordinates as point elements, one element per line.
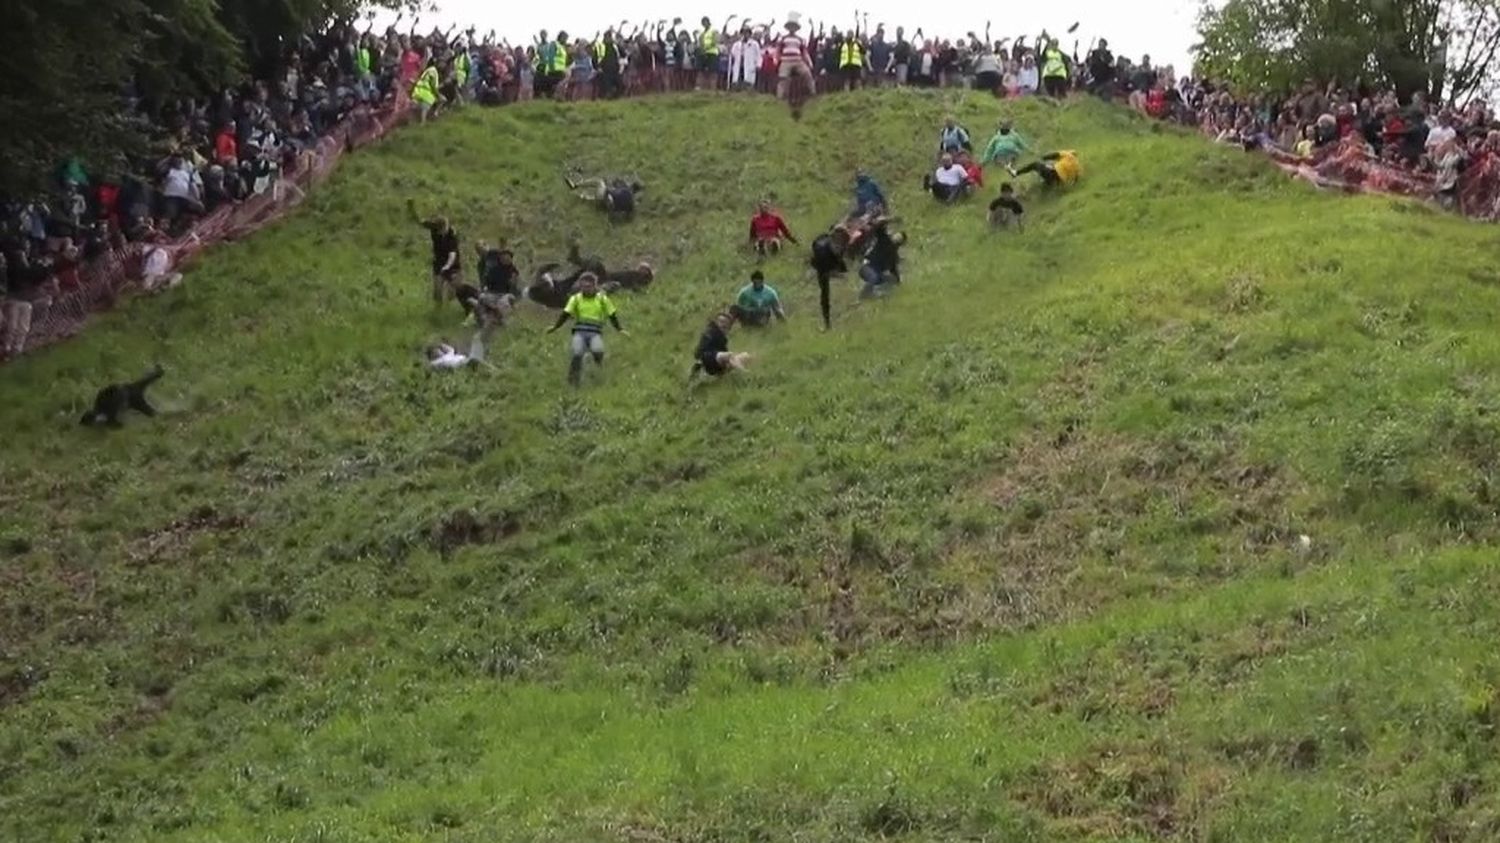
<point>1015,554</point>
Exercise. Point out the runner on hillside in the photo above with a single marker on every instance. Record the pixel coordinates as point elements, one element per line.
<point>446,267</point>
<point>589,309</point>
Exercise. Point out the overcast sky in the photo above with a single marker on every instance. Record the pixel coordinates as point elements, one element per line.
<point>1162,28</point>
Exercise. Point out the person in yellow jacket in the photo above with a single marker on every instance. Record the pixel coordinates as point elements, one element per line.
<point>1054,70</point>
<point>708,56</point>
<point>425,92</point>
<point>589,308</point>
<point>852,61</point>
<point>1057,169</point>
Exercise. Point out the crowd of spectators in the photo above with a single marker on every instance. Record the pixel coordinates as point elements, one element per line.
<point>236,144</point>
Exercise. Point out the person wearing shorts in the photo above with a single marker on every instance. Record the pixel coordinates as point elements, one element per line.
<point>713,357</point>
<point>589,308</point>
<point>447,269</point>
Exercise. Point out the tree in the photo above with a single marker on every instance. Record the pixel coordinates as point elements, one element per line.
<point>1433,46</point>
<point>66,67</point>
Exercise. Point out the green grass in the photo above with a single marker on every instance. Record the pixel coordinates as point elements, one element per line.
<point>1012,555</point>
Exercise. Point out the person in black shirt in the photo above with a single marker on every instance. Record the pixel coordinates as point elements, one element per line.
<point>713,356</point>
<point>1006,209</point>
<point>901,57</point>
<point>446,269</point>
<point>497,270</point>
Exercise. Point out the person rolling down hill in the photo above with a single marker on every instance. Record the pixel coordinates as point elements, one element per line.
<point>768,229</point>
<point>758,303</point>
<point>1057,169</point>
<point>589,309</point>
<point>713,356</point>
<point>615,196</point>
<point>869,199</point>
<point>882,267</point>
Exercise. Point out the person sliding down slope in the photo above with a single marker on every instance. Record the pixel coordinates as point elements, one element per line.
<point>713,356</point>
<point>768,229</point>
<point>1056,169</point>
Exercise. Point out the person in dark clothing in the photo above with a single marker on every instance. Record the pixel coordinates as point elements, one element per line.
<point>615,197</point>
<point>498,272</point>
<point>713,356</point>
<point>447,270</point>
<point>882,266</point>
<point>827,261</point>
<point>1006,209</point>
<point>609,67</point>
<point>1101,63</point>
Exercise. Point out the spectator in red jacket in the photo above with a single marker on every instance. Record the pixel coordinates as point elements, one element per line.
<point>768,229</point>
<point>227,148</point>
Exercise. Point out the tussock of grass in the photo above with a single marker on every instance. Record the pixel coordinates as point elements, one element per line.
<point>1017,553</point>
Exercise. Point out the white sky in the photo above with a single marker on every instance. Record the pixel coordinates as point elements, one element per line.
<point>1162,28</point>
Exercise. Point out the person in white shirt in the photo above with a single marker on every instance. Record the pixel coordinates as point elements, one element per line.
<point>1440,134</point>
<point>181,188</point>
<point>744,62</point>
<point>950,182</point>
<point>442,356</point>
<point>1030,78</point>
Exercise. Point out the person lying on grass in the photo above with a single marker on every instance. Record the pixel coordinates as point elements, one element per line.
<point>767,230</point>
<point>757,302</point>
<point>713,356</point>
<point>615,197</point>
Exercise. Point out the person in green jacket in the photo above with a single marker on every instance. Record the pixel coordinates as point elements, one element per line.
<point>1005,148</point>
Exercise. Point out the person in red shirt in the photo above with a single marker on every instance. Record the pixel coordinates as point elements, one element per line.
<point>768,229</point>
<point>226,148</point>
<point>976,174</point>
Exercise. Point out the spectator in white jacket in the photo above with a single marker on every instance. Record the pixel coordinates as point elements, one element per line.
<point>744,61</point>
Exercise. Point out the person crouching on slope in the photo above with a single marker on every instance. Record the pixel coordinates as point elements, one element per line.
<point>713,356</point>
<point>1006,209</point>
<point>589,309</point>
<point>767,230</point>
<point>758,302</point>
<point>1057,169</point>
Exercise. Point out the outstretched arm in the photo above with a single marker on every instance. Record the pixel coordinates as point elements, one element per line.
<point>562,319</point>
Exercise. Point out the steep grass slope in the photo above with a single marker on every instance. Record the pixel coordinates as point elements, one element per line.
<point>1015,554</point>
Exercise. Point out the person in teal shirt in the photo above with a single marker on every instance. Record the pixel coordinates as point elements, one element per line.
<point>1005,147</point>
<point>757,302</point>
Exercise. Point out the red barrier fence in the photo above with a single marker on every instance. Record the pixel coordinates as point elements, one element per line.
<point>102,280</point>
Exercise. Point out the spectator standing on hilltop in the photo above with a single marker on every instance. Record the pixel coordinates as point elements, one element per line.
<point>1054,70</point>
<point>901,57</point>
<point>1101,66</point>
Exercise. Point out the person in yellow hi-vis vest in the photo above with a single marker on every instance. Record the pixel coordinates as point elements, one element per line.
<point>852,61</point>
<point>1054,70</point>
<point>589,308</point>
<point>708,56</point>
<point>425,92</point>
